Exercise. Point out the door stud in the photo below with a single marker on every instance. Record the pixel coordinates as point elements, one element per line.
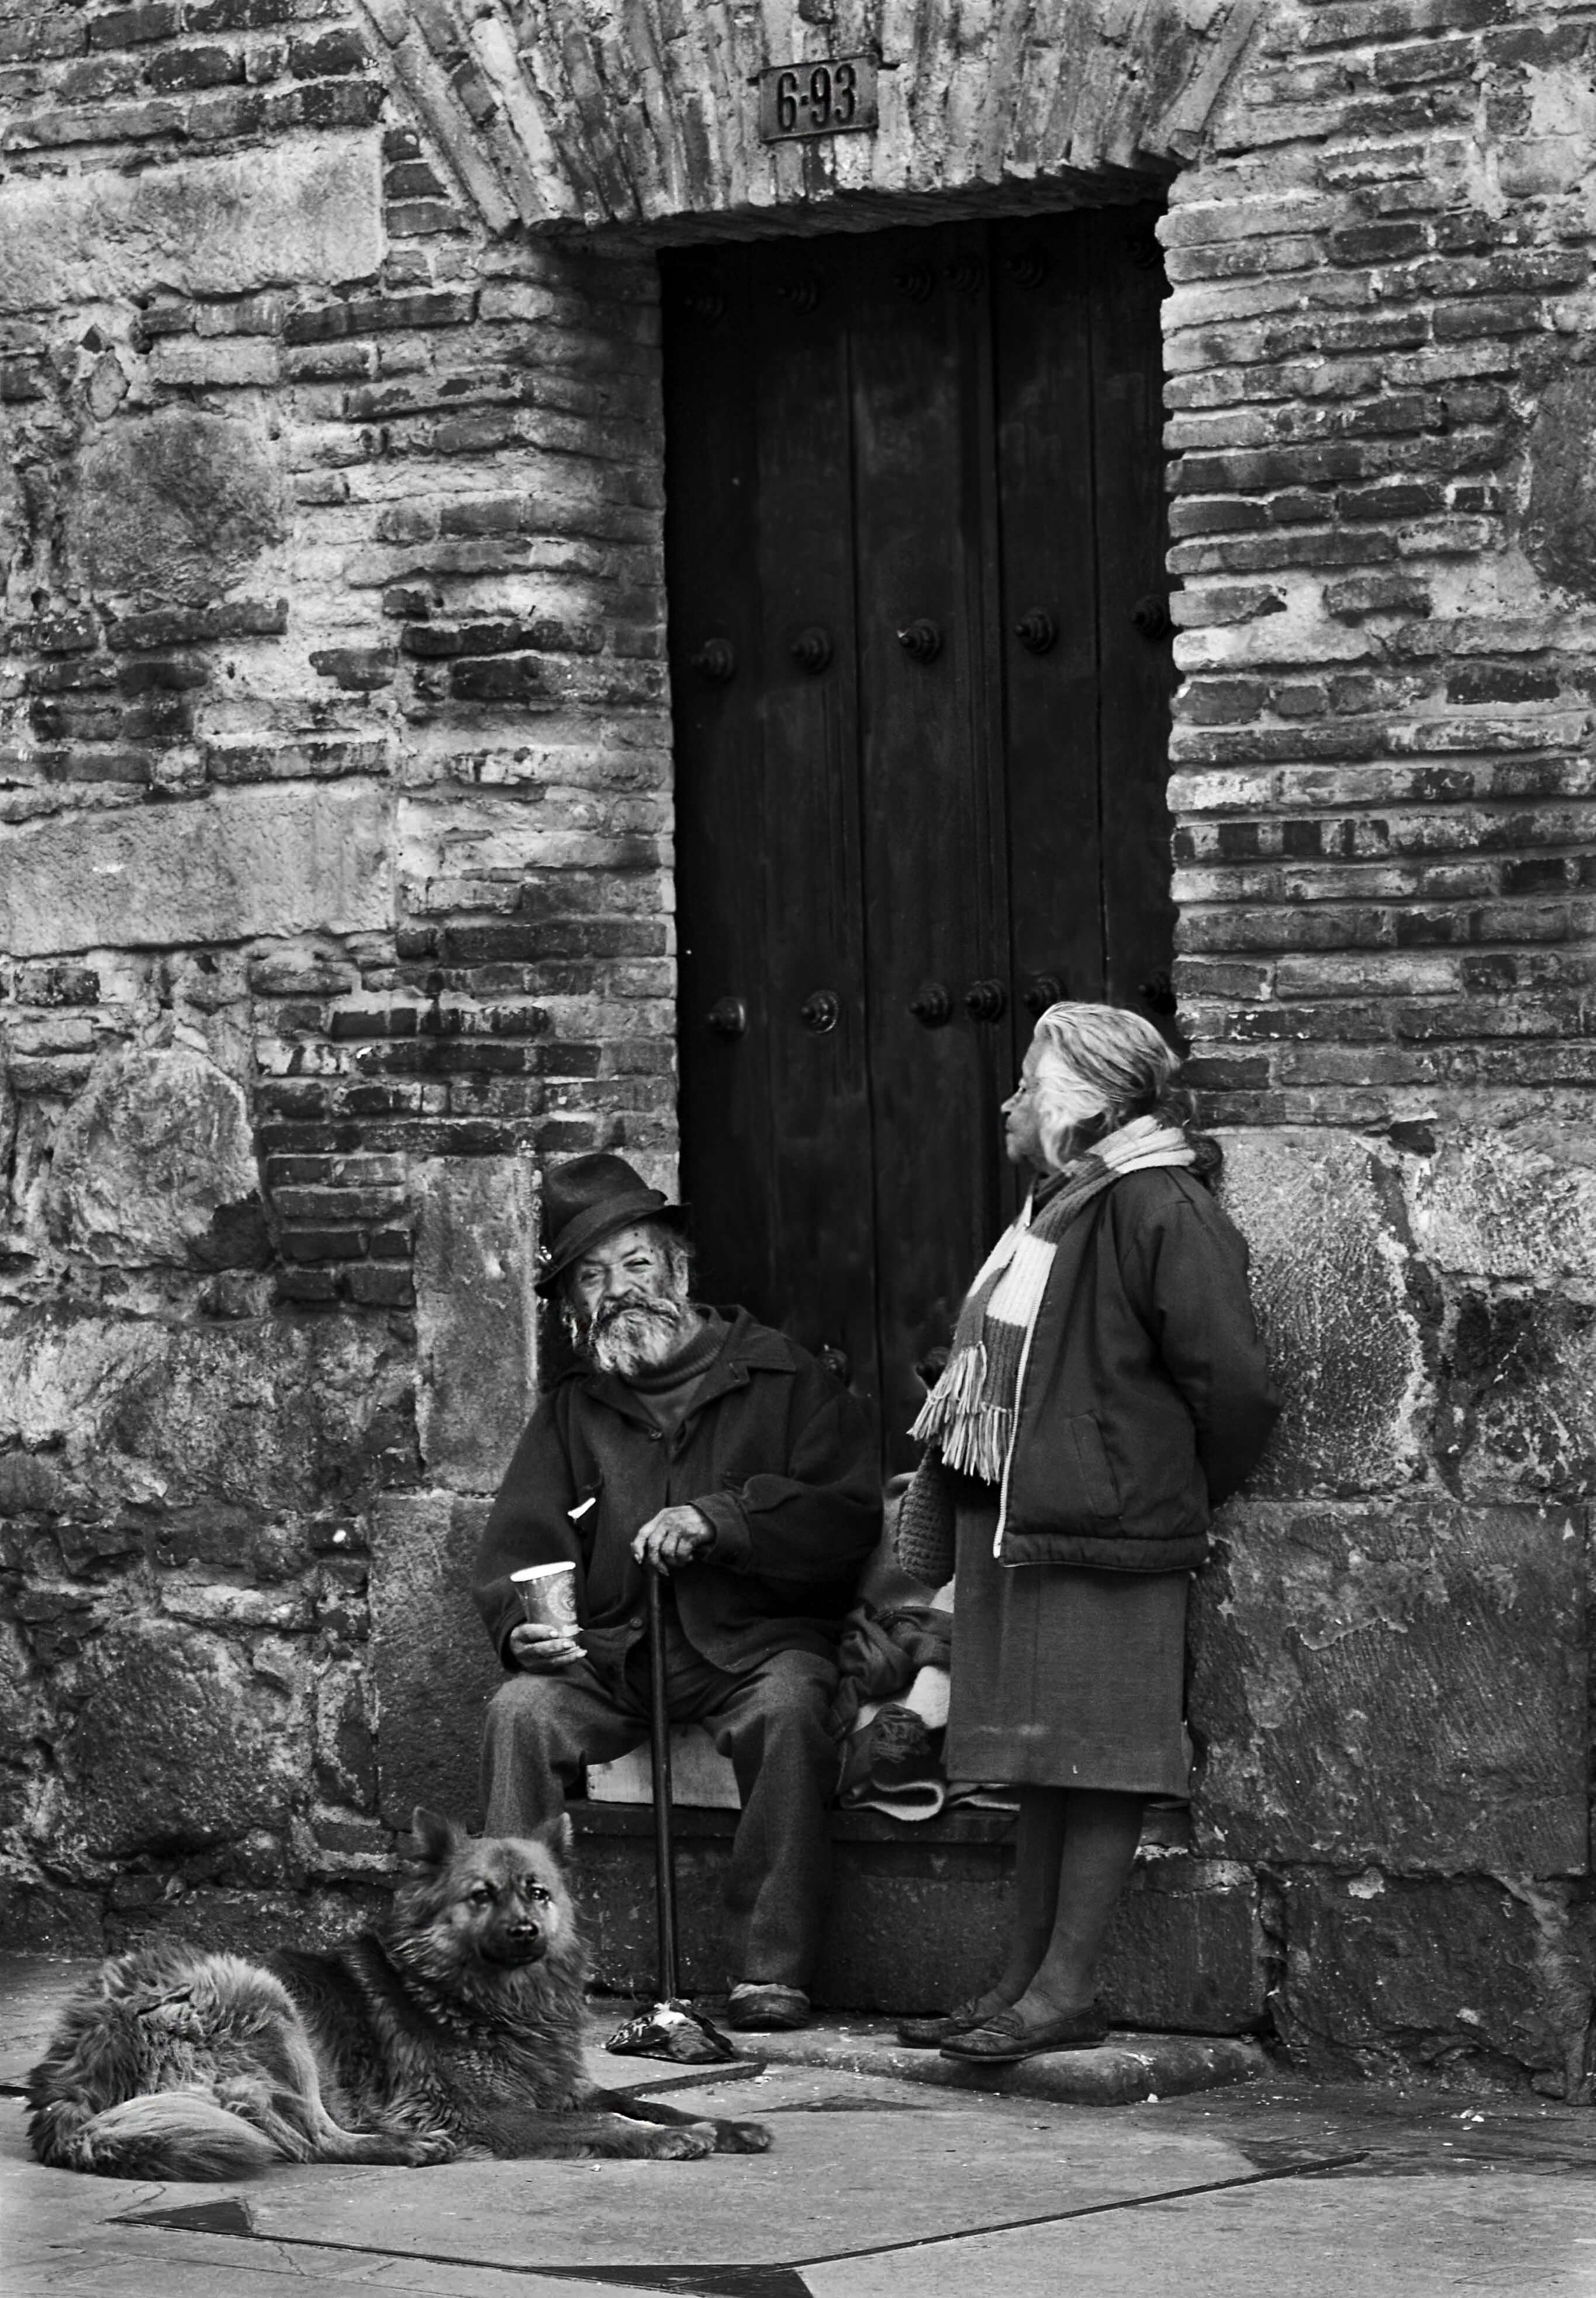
<point>986,1001</point>
<point>716,660</point>
<point>1043,990</point>
<point>1028,267</point>
<point>812,650</point>
<point>820,1010</point>
<point>921,640</point>
<point>931,1005</point>
<point>1036,631</point>
<point>704,300</point>
<point>803,292</point>
<point>1151,618</point>
<point>728,1017</point>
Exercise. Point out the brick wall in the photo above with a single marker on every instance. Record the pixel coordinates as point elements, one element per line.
<point>334,872</point>
<point>1385,853</point>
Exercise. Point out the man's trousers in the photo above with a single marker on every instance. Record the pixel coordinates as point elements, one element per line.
<point>772,1723</point>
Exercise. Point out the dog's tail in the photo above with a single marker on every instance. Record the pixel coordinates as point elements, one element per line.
<point>168,2135</point>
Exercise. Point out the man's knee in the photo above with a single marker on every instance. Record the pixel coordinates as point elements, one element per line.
<point>527,1709</point>
<point>789,1700</point>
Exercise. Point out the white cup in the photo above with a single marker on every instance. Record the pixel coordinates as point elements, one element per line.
<point>548,1594</point>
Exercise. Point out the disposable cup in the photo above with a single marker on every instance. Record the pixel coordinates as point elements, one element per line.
<point>548,1594</point>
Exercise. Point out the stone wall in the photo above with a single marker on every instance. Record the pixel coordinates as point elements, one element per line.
<point>334,816</point>
<point>334,881</point>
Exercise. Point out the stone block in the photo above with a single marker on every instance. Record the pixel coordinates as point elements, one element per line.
<point>306,212</point>
<point>1329,1267</point>
<point>176,508</point>
<point>1401,1684</point>
<point>214,869</point>
<point>261,1414</point>
<point>177,1745</point>
<point>1520,1395</point>
<point>1519,1205</point>
<point>1559,532</point>
<point>1440,1972</point>
<point>433,1665</point>
<point>475,1315</point>
<point>251,1923</point>
<point>1187,1950</point>
<point>40,1917</point>
<point>153,1158</point>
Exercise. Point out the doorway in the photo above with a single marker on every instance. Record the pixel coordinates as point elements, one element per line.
<point>919,642</point>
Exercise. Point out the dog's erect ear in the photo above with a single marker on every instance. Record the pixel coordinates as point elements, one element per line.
<point>557,1834</point>
<point>435,1838</point>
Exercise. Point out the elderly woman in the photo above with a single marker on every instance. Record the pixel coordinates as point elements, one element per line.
<point>1105,1389</point>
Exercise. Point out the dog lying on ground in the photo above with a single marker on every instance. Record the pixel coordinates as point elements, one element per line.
<point>453,2028</point>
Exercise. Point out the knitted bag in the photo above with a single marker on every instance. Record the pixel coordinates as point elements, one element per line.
<point>923,1535</point>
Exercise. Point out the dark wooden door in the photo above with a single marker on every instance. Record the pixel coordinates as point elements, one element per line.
<point>916,542</point>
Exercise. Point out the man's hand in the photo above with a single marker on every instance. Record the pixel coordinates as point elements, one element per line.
<point>672,1538</point>
<point>541,1649</point>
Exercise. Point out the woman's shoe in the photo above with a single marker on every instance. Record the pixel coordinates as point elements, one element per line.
<point>1006,2036</point>
<point>931,2033</point>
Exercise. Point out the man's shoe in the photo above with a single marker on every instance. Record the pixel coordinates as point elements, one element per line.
<point>1008,2035</point>
<point>931,2033</point>
<point>755,2009</point>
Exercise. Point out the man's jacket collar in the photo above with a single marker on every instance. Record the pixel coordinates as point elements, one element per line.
<point>749,1347</point>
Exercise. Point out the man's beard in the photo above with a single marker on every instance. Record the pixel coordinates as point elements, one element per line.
<point>634,1333</point>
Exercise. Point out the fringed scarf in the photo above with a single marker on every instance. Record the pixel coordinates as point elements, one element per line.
<point>969,1414</point>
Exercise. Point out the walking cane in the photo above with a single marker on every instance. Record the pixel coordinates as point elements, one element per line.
<point>659,1753</point>
<point>670,2029</point>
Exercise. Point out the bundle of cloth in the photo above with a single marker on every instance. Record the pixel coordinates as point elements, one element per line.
<point>892,1703</point>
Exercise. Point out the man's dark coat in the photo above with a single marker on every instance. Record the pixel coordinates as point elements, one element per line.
<point>774,1452</point>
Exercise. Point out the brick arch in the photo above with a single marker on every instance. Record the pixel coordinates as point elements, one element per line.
<point>641,111</point>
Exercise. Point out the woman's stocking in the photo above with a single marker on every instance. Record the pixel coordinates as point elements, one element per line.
<point>1097,1834</point>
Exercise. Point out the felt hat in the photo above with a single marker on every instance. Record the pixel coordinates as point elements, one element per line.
<point>588,1198</point>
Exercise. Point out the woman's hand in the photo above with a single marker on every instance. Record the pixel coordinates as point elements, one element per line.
<point>672,1538</point>
<point>541,1649</point>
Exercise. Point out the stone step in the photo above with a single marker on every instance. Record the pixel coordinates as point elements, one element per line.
<point>1130,2067</point>
<point>919,1916</point>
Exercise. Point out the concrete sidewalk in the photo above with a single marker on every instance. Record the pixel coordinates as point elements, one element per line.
<point>877,2187</point>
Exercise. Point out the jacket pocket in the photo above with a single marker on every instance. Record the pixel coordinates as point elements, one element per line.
<point>1095,1481</point>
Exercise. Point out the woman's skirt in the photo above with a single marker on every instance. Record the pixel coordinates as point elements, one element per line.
<point>1065,1678</point>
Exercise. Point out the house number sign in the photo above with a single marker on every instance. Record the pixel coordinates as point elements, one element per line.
<point>836,97</point>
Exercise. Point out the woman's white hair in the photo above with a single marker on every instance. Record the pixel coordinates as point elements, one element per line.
<point>1117,1056</point>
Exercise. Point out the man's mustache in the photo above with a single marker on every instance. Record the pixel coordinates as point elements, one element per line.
<point>634,1304</point>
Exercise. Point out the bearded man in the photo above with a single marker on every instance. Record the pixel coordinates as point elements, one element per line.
<point>703,1446</point>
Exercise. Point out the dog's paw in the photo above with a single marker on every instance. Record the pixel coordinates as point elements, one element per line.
<point>741,2138</point>
<point>423,2148</point>
<point>688,2142</point>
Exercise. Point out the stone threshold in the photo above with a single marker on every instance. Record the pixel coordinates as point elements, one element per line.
<point>1126,2069</point>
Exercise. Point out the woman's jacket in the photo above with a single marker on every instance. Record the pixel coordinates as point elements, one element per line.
<point>1144,1394</point>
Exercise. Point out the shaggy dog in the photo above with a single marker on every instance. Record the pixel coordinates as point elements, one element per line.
<point>455,2027</point>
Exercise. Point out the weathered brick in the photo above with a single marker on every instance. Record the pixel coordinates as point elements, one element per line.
<point>327,54</point>
<point>509,678</point>
<point>236,15</point>
<point>422,219</point>
<point>194,66</point>
<point>358,670</point>
<point>119,28</point>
